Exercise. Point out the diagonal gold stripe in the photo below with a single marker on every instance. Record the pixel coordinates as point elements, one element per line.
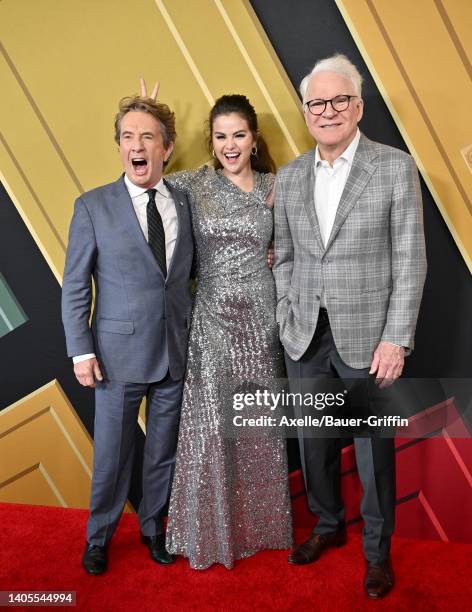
<point>19,475</point>
<point>33,195</point>
<point>185,52</point>
<point>41,119</point>
<point>71,443</point>
<point>453,35</point>
<point>47,477</point>
<point>20,424</point>
<point>419,104</point>
<point>398,121</point>
<point>257,77</point>
<point>56,414</point>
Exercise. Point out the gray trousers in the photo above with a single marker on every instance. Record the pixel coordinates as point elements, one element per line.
<point>116,411</point>
<point>321,457</point>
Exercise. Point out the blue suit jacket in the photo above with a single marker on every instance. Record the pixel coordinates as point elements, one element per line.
<point>141,320</point>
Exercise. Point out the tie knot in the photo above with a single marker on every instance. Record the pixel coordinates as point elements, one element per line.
<point>152,194</point>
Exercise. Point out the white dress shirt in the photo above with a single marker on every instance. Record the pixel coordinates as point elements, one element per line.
<point>329,186</point>
<point>166,207</point>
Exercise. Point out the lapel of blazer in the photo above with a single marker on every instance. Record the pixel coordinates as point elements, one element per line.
<point>307,188</point>
<point>179,205</point>
<point>360,174</point>
<point>124,208</point>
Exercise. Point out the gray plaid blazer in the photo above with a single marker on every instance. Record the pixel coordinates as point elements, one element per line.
<point>373,268</point>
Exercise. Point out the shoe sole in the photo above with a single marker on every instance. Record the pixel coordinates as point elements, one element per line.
<point>372,596</point>
<point>94,573</point>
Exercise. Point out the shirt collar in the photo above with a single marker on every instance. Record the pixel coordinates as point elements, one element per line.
<point>346,155</point>
<point>135,191</point>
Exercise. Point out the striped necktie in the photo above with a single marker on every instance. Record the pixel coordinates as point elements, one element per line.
<point>156,235</point>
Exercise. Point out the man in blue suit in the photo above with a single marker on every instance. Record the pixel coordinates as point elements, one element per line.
<point>134,238</point>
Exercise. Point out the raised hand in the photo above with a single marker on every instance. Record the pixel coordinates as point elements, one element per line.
<point>144,93</point>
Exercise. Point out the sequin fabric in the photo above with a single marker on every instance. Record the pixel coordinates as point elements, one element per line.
<point>230,496</point>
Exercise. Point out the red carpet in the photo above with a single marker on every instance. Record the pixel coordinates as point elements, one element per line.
<point>41,549</point>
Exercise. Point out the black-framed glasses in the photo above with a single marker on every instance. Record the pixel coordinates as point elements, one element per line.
<point>338,103</point>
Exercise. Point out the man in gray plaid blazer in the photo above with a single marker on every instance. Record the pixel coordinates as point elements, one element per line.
<point>349,267</point>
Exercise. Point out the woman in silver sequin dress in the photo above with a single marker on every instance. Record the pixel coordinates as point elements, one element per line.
<point>229,497</point>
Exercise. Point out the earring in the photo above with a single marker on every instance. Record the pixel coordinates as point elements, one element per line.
<point>213,153</point>
<point>254,150</point>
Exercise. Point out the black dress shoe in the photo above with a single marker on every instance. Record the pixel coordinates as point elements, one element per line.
<point>157,548</point>
<point>379,579</point>
<point>94,560</point>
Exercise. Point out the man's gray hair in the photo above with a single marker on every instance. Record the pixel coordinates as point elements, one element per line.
<point>338,63</point>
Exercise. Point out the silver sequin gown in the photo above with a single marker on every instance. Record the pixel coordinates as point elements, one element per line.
<point>229,497</point>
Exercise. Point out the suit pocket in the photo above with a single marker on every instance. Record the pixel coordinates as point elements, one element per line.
<point>114,326</point>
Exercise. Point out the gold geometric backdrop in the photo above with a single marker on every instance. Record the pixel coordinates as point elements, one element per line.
<point>419,53</point>
<point>62,82</point>
<point>45,451</point>
<point>34,433</point>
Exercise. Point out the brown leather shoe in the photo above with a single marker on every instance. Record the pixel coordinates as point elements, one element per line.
<point>311,550</point>
<point>379,579</point>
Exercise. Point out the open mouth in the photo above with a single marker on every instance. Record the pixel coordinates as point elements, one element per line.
<point>330,125</point>
<point>139,165</point>
<point>232,157</point>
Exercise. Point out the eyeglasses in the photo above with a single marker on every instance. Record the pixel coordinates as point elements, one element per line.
<point>338,103</point>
